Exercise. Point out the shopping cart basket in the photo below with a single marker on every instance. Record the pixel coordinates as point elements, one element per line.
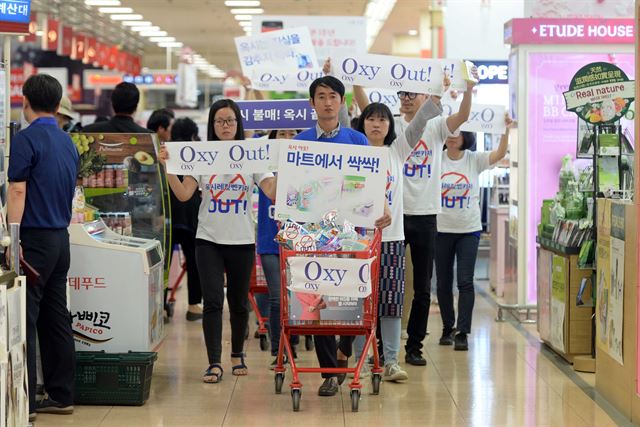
<point>258,285</point>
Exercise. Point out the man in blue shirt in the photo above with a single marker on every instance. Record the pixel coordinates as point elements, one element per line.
<point>327,97</point>
<point>43,167</point>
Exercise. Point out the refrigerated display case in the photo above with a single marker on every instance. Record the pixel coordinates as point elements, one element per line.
<point>116,290</point>
<point>129,187</point>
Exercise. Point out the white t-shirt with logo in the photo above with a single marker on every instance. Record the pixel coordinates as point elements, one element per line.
<point>422,170</point>
<point>398,152</point>
<point>461,192</point>
<point>226,214</point>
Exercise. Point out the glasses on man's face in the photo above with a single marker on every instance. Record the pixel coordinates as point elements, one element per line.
<point>225,122</point>
<point>409,95</point>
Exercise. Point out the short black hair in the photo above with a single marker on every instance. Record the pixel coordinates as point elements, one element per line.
<point>327,81</point>
<point>274,133</point>
<point>160,119</point>
<point>184,129</point>
<point>378,109</point>
<point>468,140</point>
<point>43,93</point>
<point>125,98</point>
<point>219,105</point>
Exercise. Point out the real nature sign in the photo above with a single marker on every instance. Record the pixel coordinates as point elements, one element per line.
<point>600,93</point>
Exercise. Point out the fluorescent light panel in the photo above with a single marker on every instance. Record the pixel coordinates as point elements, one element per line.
<point>162,39</point>
<point>170,44</point>
<point>247,11</point>
<point>127,17</point>
<point>242,3</point>
<point>243,17</point>
<point>153,33</point>
<point>115,10</point>
<point>150,28</point>
<point>102,2</point>
<point>136,23</point>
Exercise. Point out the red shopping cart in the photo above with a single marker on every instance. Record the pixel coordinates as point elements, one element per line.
<point>365,326</point>
<point>258,285</point>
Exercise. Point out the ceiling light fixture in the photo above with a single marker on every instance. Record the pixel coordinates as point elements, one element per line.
<point>136,23</point>
<point>243,17</point>
<point>245,23</point>
<point>247,11</point>
<point>115,10</point>
<point>242,3</point>
<point>170,44</point>
<point>153,33</point>
<point>413,32</point>
<point>162,39</point>
<point>127,17</point>
<point>150,28</point>
<point>102,2</point>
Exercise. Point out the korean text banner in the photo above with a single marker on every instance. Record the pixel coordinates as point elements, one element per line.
<point>282,80</point>
<point>315,177</point>
<point>483,118</point>
<point>340,277</point>
<point>279,114</point>
<point>286,50</point>
<point>222,157</point>
<point>399,73</point>
<point>332,36</point>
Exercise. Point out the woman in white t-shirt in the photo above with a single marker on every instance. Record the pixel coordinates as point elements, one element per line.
<point>376,122</point>
<point>225,241</point>
<point>459,227</point>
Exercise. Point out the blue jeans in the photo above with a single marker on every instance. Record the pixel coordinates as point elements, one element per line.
<point>462,248</point>
<point>390,328</point>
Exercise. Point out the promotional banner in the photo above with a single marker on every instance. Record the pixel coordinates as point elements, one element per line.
<point>483,118</point>
<point>223,157</point>
<point>315,177</point>
<point>387,97</point>
<point>616,294</point>
<point>400,73</point>
<point>278,114</point>
<point>288,50</point>
<point>600,93</point>
<point>282,80</point>
<point>187,90</point>
<point>331,35</point>
<point>305,308</point>
<point>603,294</point>
<point>558,305</point>
<point>339,277</point>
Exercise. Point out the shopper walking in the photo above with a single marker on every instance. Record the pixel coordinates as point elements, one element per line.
<point>327,98</point>
<point>184,222</point>
<point>124,100</point>
<point>459,227</point>
<point>269,252</point>
<point>161,122</point>
<point>43,167</point>
<point>225,241</point>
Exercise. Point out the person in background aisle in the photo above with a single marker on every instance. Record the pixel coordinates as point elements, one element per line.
<point>269,252</point>
<point>161,122</point>
<point>459,227</point>
<point>327,98</point>
<point>124,100</point>
<point>43,168</point>
<point>184,222</point>
<point>66,117</point>
<point>376,122</point>
<point>225,241</point>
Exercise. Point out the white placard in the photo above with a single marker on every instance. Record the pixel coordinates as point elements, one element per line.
<point>222,157</point>
<point>314,178</point>
<point>288,50</point>
<point>331,35</point>
<point>483,118</point>
<point>387,97</point>
<point>399,73</point>
<point>282,80</point>
<point>340,277</point>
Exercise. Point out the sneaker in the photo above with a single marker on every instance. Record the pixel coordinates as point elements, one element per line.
<point>461,343</point>
<point>393,372</point>
<point>447,337</point>
<point>365,372</point>
<point>415,358</point>
<point>329,387</point>
<point>50,406</point>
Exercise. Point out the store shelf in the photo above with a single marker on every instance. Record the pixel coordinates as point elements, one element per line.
<point>554,246</point>
<point>97,192</point>
<point>8,277</point>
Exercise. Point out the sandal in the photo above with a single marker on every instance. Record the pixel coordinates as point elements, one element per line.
<point>242,365</point>
<point>211,377</point>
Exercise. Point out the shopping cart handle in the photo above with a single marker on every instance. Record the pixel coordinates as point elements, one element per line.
<point>31,273</point>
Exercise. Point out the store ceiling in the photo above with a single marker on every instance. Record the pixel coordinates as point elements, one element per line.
<point>208,27</point>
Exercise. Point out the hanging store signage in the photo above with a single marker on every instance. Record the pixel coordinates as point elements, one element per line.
<point>66,44</point>
<point>52,39</point>
<point>15,16</point>
<point>600,93</point>
<point>279,114</point>
<point>569,31</point>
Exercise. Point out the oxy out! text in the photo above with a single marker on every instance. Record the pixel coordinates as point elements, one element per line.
<point>455,201</point>
<point>228,206</point>
<point>419,171</point>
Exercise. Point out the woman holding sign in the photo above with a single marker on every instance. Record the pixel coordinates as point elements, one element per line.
<point>459,227</point>
<point>225,241</point>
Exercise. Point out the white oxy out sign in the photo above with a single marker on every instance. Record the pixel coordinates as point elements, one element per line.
<point>280,80</point>
<point>340,277</point>
<point>483,118</point>
<point>387,97</point>
<point>399,73</point>
<point>222,157</point>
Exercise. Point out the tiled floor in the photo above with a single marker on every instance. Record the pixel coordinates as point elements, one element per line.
<point>506,379</point>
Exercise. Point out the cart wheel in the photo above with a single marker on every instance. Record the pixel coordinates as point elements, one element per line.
<point>170,307</point>
<point>295,399</point>
<point>355,400</point>
<point>308,342</point>
<point>375,382</point>
<point>279,378</point>
<point>264,343</point>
